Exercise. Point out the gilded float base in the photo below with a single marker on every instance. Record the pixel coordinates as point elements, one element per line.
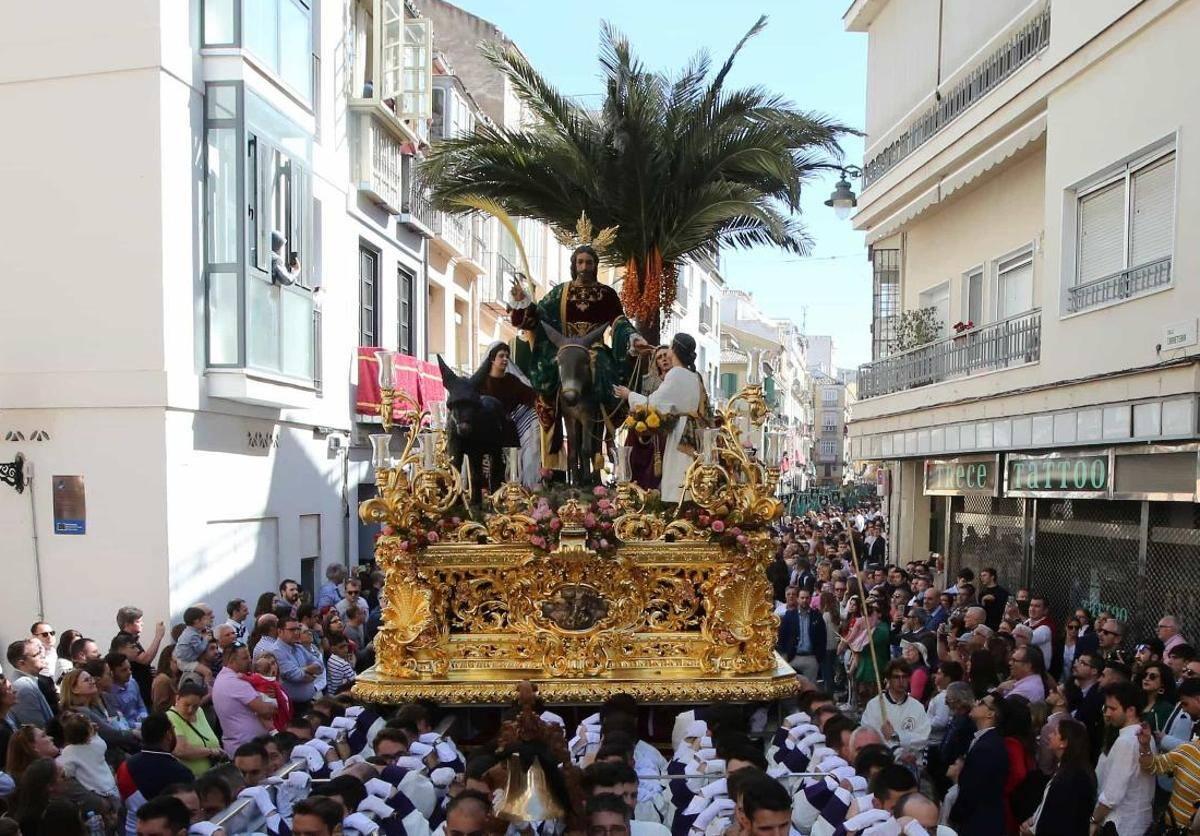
<point>647,686</point>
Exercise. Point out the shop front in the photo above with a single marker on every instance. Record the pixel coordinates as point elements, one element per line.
<point>1109,529</point>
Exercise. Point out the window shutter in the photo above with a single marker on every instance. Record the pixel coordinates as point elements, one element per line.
<point>1015,285</point>
<point>1102,233</point>
<point>1153,221</point>
<point>390,43</point>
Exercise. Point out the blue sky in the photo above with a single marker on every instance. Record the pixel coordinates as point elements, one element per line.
<point>803,54</point>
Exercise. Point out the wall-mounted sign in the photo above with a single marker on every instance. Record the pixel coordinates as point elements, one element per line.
<point>1058,474</point>
<point>70,511</point>
<point>963,476</point>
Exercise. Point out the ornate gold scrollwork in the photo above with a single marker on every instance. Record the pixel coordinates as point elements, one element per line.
<point>469,607</point>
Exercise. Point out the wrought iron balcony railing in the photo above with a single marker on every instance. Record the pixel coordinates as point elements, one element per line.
<point>1010,342</point>
<point>1009,57</point>
<point>1120,285</point>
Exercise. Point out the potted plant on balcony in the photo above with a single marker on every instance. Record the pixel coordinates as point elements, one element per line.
<point>917,327</point>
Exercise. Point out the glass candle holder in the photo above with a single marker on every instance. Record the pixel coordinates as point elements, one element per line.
<point>381,452</point>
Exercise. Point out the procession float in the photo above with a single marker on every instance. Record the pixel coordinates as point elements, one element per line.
<point>585,590</point>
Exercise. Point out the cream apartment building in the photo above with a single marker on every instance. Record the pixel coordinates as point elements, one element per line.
<point>1029,176</point>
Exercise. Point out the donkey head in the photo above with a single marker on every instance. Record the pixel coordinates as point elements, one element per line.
<point>462,397</point>
<point>574,364</point>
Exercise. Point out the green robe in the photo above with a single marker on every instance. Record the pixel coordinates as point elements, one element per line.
<point>584,308</point>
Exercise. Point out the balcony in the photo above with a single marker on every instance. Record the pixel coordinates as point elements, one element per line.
<point>1011,342</point>
<point>706,317</point>
<point>377,160</point>
<point>417,213</point>
<point>1118,286</point>
<point>1009,57</point>
<point>453,232</point>
<point>494,283</point>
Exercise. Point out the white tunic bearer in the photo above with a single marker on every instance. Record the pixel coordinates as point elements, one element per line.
<point>679,394</point>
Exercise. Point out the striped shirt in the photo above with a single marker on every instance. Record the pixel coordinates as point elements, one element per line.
<point>340,673</point>
<point>1183,763</point>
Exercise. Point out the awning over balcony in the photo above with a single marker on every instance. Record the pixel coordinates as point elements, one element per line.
<point>955,180</point>
<point>418,379</point>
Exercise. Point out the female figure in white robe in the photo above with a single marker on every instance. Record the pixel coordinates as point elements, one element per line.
<point>680,394</point>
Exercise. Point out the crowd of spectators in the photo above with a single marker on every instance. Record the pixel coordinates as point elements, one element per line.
<point>923,706</point>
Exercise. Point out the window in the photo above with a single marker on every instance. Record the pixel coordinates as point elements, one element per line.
<point>368,296</point>
<point>829,394</point>
<point>829,421</point>
<point>252,322</point>
<point>1014,284</point>
<point>828,449</point>
<point>277,32</point>
<point>886,302</point>
<point>1127,222</point>
<point>729,385</point>
<point>973,297</point>
<point>828,471</point>
<point>938,298</point>
<point>404,338</point>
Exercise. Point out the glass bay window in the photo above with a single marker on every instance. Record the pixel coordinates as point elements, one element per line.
<point>257,181</point>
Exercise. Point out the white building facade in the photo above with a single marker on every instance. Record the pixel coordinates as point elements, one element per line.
<point>773,353</point>
<point>1026,184</point>
<point>213,412</point>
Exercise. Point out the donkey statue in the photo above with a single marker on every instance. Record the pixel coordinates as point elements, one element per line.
<point>476,428</point>
<point>579,401</point>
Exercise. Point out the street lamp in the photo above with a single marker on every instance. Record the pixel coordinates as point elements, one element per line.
<point>843,198</point>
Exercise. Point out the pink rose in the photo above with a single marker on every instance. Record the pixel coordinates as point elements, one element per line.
<point>603,543</point>
<point>605,505</point>
<point>718,526</point>
<point>538,541</point>
<point>735,531</point>
<point>600,490</point>
<point>404,546</point>
<point>704,519</point>
<point>555,524</point>
<point>388,531</point>
<point>456,520</point>
<point>589,520</point>
<point>605,526</point>
<point>743,539</point>
<point>432,537</point>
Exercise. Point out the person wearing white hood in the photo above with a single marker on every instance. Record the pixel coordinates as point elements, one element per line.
<point>502,380</point>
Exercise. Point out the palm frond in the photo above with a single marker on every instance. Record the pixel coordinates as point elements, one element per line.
<point>679,165</point>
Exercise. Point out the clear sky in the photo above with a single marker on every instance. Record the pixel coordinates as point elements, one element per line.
<point>803,54</point>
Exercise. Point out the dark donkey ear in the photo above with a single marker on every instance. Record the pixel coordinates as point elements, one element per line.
<point>556,338</point>
<point>449,378</point>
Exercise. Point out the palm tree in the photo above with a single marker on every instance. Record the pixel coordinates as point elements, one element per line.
<point>680,165</point>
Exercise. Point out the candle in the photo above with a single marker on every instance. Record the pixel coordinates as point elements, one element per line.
<point>708,445</point>
<point>512,464</point>
<point>381,454</point>
<point>622,464</point>
<point>465,473</point>
<point>437,415</point>
<point>428,450</point>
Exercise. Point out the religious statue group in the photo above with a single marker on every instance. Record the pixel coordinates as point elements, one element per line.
<point>561,392</point>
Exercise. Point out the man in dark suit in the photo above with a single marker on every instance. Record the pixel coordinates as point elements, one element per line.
<point>979,809</point>
<point>876,551</point>
<point>1084,699</point>
<point>801,634</point>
